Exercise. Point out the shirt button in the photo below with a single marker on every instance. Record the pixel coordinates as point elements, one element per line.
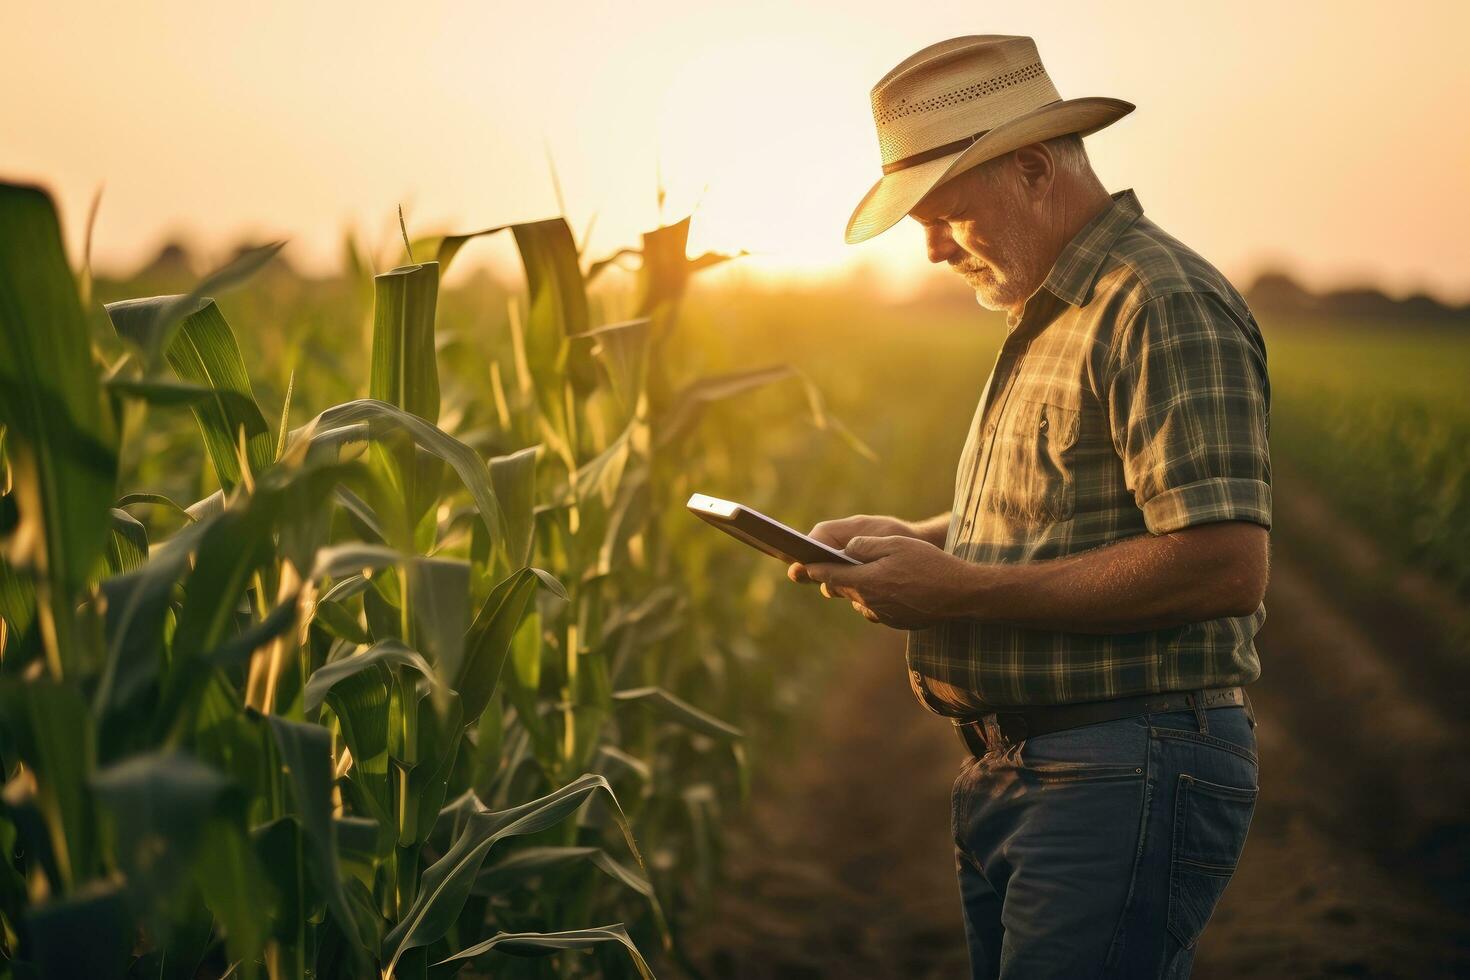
<point>990,429</point>
<point>1043,423</point>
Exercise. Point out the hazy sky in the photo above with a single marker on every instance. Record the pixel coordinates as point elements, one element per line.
<point>1331,137</point>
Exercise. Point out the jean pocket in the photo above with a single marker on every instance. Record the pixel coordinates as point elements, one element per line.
<point>1230,731</point>
<point>1107,750</point>
<point>1210,824</point>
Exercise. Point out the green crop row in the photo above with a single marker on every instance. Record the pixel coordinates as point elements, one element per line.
<point>1377,416</point>
<point>443,674</point>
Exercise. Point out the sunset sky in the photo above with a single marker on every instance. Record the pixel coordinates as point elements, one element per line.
<point>1328,137</point>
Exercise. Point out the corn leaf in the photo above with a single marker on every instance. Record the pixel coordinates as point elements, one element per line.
<point>404,370</point>
<point>628,516</point>
<point>155,499</point>
<point>280,850</point>
<point>447,883</point>
<point>341,423</point>
<point>827,422</point>
<point>361,700</point>
<point>340,621</point>
<point>623,350</point>
<point>690,401</point>
<point>235,888</point>
<point>136,604</point>
<point>440,735</point>
<point>558,297</point>
<point>679,710</point>
<point>546,943</point>
<point>667,267</point>
<point>149,324</point>
<point>236,648</point>
<point>127,543</point>
<point>60,442</point>
<point>514,476</point>
<point>170,393</point>
<point>558,309</point>
<point>284,428</point>
<point>450,245</point>
<point>531,862</point>
<point>178,704</point>
<point>352,558</point>
<point>100,913</point>
<point>210,506</point>
<point>50,730</point>
<point>601,265</point>
<point>439,613</point>
<point>306,751</point>
<point>488,642</point>
<point>234,545</point>
<point>159,802</point>
<point>386,652</point>
<point>203,353</point>
<point>611,757</point>
<point>17,600</point>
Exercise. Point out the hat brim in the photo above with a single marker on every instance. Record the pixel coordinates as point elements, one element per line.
<point>895,194</point>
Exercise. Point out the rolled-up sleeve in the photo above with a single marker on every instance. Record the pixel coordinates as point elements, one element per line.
<point>1189,408</point>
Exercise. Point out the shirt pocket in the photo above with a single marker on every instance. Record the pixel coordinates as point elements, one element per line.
<point>1032,478</point>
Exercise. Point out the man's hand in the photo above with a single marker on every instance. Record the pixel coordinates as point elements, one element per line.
<point>839,532</point>
<point>903,582</point>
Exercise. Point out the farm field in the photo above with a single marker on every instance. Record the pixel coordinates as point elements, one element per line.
<point>655,734</point>
<point>359,365</point>
<point>1358,854</point>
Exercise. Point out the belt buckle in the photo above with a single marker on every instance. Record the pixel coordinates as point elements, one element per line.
<point>1004,728</point>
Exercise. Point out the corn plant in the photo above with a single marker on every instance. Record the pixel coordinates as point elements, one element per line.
<point>390,700</point>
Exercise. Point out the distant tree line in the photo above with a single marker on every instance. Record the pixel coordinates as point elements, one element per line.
<point>1277,292</point>
<point>1272,292</point>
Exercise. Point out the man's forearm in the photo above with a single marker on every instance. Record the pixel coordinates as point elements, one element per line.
<point>1142,583</point>
<point>933,530</point>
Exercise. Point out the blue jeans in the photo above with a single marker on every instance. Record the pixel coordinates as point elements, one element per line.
<point>1101,851</point>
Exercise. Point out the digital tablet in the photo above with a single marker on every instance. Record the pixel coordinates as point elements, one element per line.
<point>764,533</point>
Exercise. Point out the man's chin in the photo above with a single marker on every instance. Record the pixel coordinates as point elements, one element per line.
<point>988,300</point>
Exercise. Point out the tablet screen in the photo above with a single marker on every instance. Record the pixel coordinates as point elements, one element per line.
<point>765,534</point>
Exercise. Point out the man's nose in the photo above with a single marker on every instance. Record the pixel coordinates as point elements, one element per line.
<point>940,244</point>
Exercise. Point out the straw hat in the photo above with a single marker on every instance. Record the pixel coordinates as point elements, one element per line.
<point>956,104</point>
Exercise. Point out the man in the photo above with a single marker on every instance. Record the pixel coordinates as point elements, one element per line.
<point>1086,612</point>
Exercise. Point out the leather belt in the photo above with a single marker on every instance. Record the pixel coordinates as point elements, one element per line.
<point>1012,725</point>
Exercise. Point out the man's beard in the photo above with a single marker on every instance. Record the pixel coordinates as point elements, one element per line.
<point>992,288</point>
<point>1001,285</point>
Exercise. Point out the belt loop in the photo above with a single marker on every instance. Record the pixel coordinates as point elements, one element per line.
<point>1197,701</point>
<point>995,735</point>
<point>1250,712</point>
<point>974,741</point>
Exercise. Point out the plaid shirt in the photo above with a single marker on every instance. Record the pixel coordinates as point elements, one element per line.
<point>1129,398</point>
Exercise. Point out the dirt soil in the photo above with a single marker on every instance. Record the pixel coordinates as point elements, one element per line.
<point>1358,857</point>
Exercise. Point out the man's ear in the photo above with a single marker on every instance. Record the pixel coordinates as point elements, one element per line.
<point>1036,167</point>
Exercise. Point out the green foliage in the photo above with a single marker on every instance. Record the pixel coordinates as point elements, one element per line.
<point>405,372</point>
<point>1377,416</point>
<point>400,685</point>
<point>204,355</point>
<point>60,440</point>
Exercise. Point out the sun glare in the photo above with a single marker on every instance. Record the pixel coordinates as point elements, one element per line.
<point>756,137</point>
